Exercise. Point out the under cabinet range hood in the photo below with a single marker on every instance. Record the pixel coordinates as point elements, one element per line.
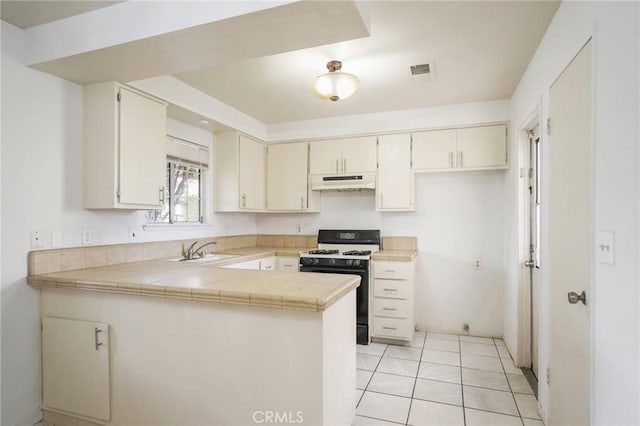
<point>344,183</point>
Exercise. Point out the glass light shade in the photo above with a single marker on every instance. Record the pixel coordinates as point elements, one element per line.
<point>334,85</point>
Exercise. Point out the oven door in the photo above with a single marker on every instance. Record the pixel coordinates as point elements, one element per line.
<point>362,297</point>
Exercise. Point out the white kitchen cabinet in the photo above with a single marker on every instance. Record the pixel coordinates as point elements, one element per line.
<point>268,263</point>
<point>343,156</point>
<point>473,148</point>
<point>125,162</point>
<point>288,186</point>
<point>75,367</point>
<point>288,263</point>
<point>394,189</point>
<point>240,173</point>
<point>393,299</point>
<point>263,264</point>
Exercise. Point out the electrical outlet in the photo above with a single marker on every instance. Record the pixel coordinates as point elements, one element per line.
<point>298,229</point>
<point>477,263</point>
<point>86,236</point>
<point>135,232</point>
<point>36,240</point>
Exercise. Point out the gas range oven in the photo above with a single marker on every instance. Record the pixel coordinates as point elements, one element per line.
<point>347,252</point>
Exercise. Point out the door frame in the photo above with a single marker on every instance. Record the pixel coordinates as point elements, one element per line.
<point>524,295</point>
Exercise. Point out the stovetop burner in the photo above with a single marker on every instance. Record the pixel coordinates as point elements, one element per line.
<point>323,251</point>
<point>357,252</point>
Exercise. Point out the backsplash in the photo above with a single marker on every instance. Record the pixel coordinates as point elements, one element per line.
<point>66,259</point>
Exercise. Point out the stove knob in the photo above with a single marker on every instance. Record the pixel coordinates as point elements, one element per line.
<point>315,261</point>
<point>355,262</point>
<point>332,261</point>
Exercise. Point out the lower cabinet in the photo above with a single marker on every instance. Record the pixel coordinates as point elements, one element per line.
<point>262,264</point>
<point>75,367</point>
<point>288,263</point>
<point>393,299</point>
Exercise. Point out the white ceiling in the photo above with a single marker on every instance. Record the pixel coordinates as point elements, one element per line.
<point>261,64</point>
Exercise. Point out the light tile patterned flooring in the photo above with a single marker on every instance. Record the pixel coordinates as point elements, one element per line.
<point>442,379</point>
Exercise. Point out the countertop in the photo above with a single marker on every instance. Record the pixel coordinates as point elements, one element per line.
<point>209,282</point>
<point>395,255</point>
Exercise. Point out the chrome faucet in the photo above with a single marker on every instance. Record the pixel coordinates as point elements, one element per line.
<point>191,252</point>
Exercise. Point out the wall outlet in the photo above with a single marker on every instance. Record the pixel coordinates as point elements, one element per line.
<point>298,229</point>
<point>135,232</point>
<point>36,240</point>
<point>477,263</point>
<point>85,238</point>
<point>465,328</point>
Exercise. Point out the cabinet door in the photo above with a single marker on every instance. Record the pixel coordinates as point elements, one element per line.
<point>75,367</point>
<point>142,143</point>
<point>251,174</point>
<point>359,155</point>
<point>394,189</point>
<point>287,176</point>
<point>434,150</point>
<point>482,147</point>
<point>288,263</point>
<point>325,157</point>
<point>268,263</point>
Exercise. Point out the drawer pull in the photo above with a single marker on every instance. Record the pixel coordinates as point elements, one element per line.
<point>389,328</point>
<point>389,270</point>
<point>389,309</point>
<point>390,289</point>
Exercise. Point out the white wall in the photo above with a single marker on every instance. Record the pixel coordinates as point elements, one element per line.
<point>459,216</point>
<point>42,190</point>
<point>615,298</point>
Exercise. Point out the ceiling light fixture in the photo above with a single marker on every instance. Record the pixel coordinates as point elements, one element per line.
<point>335,84</point>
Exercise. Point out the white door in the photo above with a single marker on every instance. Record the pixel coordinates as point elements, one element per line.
<point>394,189</point>
<point>287,176</point>
<point>325,157</point>
<point>570,242</point>
<point>434,150</point>
<point>484,146</point>
<point>143,152</point>
<point>252,174</point>
<point>359,155</point>
<point>75,367</point>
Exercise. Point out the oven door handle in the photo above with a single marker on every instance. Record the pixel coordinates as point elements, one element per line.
<point>332,270</point>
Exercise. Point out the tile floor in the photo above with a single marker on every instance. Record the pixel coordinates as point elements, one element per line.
<point>442,379</point>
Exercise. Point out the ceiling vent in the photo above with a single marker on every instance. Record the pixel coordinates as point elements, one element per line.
<point>420,69</point>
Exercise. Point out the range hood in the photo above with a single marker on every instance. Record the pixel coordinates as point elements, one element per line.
<point>344,183</point>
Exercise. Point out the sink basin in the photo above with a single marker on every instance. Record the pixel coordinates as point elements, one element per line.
<point>208,258</point>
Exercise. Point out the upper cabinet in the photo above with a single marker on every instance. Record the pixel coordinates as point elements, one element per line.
<point>343,156</point>
<point>288,178</point>
<point>125,133</point>
<point>473,148</point>
<point>395,190</point>
<point>240,173</point>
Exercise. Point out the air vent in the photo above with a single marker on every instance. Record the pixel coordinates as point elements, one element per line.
<point>420,69</point>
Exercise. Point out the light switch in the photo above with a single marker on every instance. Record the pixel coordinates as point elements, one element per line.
<point>605,248</point>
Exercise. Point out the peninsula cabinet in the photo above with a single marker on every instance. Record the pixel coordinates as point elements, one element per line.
<point>473,148</point>
<point>125,133</point>
<point>343,156</point>
<point>288,178</point>
<point>75,367</point>
<point>240,173</point>
<point>394,189</point>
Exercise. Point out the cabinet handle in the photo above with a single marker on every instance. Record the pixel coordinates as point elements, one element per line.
<point>161,195</point>
<point>461,160</point>
<point>390,270</point>
<point>336,165</point>
<point>390,289</point>
<point>450,159</point>
<point>389,328</point>
<point>96,330</point>
<point>244,200</point>
<point>302,203</point>
<point>381,200</point>
<point>344,165</point>
<point>389,309</point>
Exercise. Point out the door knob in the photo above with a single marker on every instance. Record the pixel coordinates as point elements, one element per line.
<point>575,297</point>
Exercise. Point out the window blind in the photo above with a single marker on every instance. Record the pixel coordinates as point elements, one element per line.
<point>183,151</point>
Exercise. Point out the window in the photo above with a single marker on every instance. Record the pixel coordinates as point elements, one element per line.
<point>186,165</point>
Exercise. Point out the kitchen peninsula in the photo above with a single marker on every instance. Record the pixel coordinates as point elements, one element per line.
<point>188,343</point>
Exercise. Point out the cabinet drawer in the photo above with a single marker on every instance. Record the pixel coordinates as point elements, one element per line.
<point>392,288</point>
<point>392,327</point>
<point>392,270</point>
<point>391,308</point>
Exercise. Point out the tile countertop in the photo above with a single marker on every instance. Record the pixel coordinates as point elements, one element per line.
<point>209,283</point>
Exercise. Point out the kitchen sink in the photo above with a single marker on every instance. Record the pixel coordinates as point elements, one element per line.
<point>205,259</point>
